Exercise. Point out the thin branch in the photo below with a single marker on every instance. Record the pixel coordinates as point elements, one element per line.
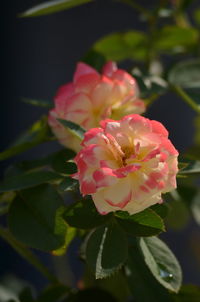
<point>180,92</point>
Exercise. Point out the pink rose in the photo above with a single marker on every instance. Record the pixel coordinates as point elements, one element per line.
<point>126,164</point>
<point>92,97</point>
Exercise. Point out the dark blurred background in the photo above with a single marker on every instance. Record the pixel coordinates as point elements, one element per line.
<point>38,55</point>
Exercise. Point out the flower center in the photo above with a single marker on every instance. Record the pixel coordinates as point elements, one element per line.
<point>130,154</point>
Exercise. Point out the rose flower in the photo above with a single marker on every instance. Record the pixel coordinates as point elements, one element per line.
<point>127,164</point>
<point>92,97</point>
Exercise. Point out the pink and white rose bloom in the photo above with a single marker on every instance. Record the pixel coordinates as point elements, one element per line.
<point>126,164</point>
<point>92,97</point>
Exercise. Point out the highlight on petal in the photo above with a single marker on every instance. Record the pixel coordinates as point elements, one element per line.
<point>109,68</point>
<point>127,164</point>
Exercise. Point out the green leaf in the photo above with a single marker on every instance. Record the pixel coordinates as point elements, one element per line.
<point>195,207</point>
<point>187,192</point>
<point>50,7</point>
<point>121,46</point>
<point>197,16</point>
<point>188,293</point>
<point>175,38</point>
<point>34,218</point>
<point>26,295</point>
<point>75,129</point>
<point>94,59</point>
<point>149,84</point>
<point>84,215</point>
<point>27,165</point>
<point>57,160</point>
<point>27,180</point>
<point>165,12</point>
<point>35,135</point>
<point>5,201</point>
<point>90,294</point>
<point>177,208</point>
<point>7,197</point>
<point>60,161</point>
<point>160,209</point>
<point>193,153</point>
<point>106,250</point>
<point>54,293</point>
<point>70,235</point>
<point>184,4</point>
<point>192,168</point>
<point>116,285</point>
<point>162,263</point>
<point>38,103</point>
<point>145,223</point>
<point>196,147</point>
<point>186,74</point>
<point>68,184</point>
<point>142,284</point>
<point>27,254</point>
<point>182,165</point>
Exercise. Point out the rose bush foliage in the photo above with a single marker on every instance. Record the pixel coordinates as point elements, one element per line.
<point>111,194</point>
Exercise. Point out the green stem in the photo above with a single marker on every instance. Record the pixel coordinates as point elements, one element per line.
<point>180,16</point>
<point>180,92</point>
<point>26,254</point>
<point>152,34</point>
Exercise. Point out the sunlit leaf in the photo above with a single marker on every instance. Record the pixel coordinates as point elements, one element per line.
<point>175,38</point>
<point>75,129</point>
<point>70,235</point>
<point>38,103</point>
<point>145,223</point>
<point>121,46</point>
<point>50,7</point>
<point>162,263</point>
